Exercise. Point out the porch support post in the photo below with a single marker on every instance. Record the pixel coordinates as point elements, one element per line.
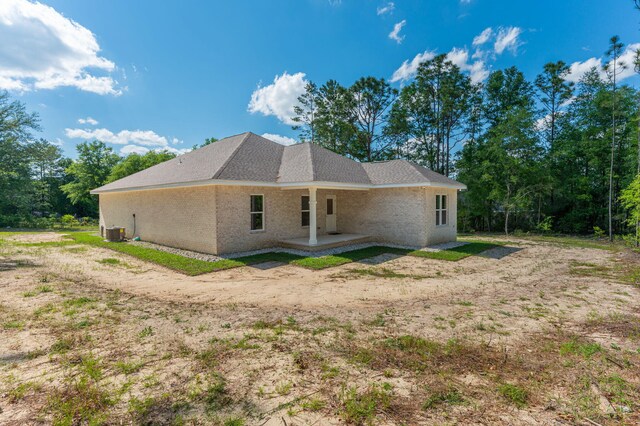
<point>313,227</point>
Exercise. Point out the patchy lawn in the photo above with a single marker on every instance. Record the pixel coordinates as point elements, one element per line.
<point>549,334</point>
<point>191,266</point>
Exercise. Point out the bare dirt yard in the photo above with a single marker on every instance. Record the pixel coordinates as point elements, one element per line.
<point>530,332</point>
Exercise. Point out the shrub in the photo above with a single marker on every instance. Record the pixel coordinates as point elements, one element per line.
<point>68,221</point>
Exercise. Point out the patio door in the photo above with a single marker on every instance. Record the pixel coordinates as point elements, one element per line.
<point>331,214</point>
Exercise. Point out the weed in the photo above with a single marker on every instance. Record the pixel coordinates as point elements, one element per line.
<point>146,332</point>
<point>129,367</point>
<point>284,388</point>
<point>13,325</point>
<point>515,394</point>
<point>450,396</point>
<point>574,347</point>
<point>216,396</point>
<point>362,407</point>
<point>81,401</point>
<point>314,404</point>
<point>19,392</point>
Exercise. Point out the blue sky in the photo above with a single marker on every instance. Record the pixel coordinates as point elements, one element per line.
<point>151,75</point>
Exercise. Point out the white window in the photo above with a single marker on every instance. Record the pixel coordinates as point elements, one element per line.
<point>257,212</point>
<point>441,210</point>
<point>304,208</point>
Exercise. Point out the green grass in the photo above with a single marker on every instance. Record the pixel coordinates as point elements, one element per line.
<point>575,347</point>
<point>191,266</point>
<point>515,394</point>
<point>179,263</point>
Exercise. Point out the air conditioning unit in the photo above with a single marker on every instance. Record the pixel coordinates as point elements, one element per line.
<point>115,234</point>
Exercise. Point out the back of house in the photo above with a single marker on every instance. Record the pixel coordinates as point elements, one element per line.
<point>246,192</point>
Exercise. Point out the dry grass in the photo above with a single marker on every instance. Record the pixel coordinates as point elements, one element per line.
<point>75,352</point>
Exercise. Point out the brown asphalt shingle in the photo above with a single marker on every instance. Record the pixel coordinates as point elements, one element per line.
<point>252,158</point>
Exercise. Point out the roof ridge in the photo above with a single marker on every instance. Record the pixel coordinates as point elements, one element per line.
<point>313,169</point>
<point>233,154</point>
<point>415,167</point>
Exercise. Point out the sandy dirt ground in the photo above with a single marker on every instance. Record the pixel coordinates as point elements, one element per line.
<point>441,344</point>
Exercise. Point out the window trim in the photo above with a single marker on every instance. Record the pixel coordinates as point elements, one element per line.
<point>305,211</point>
<point>441,209</point>
<point>251,213</point>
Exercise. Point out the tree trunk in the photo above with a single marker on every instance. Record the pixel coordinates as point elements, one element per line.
<point>506,222</point>
<point>613,146</point>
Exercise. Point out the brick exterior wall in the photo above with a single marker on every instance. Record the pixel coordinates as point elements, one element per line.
<point>176,217</point>
<point>216,219</point>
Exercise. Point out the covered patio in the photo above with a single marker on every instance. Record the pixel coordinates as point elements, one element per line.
<point>325,241</point>
<point>331,235</point>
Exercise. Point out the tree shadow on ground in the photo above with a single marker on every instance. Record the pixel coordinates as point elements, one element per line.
<point>8,264</point>
<point>500,252</point>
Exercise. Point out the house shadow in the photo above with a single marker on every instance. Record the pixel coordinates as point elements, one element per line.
<point>265,266</point>
<point>500,252</point>
<point>381,258</point>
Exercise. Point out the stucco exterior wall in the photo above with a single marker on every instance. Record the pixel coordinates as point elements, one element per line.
<point>178,217</point>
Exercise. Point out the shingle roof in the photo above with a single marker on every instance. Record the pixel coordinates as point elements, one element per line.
<point>251,158</point>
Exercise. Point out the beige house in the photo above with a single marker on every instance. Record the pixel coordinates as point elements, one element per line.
<point>246,192</point>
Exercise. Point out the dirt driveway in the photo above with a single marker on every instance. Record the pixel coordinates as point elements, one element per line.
<point>497,338</point>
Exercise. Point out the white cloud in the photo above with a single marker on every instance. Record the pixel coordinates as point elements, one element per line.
<point>483,37</point>
<point>124,137</point>
<point>477,69</point>
<point>388,8</point>
<point>133,149</point>
<point>507,39</point>
<point>279,97</point>
<point>88,120</point>
<point>42,49</point>
<point>407,70</point>
<point>579,69</point>
<point>282,140</point>
<point>395,33</point>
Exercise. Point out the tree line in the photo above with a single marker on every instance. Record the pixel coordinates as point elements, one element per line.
<point>39,185</point>
<point>545,154</point>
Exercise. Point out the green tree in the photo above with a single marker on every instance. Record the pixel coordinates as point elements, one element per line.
<point>207,141</point>
<point>371,101</point>
<point>47,168</point>
<point>91,170</point>
<point>613,68</point>
<point>431,114</point>
<point>502,167</point>
<point>555,91</point>
<point>16,127</point>
<point>630,199</point>
<point>335,129</point>
<point>306,112</point>
<point>134,163</point>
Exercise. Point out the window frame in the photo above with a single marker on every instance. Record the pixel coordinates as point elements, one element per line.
<point>439,210</point>
<point>303,211</point>
<point>251,213</point>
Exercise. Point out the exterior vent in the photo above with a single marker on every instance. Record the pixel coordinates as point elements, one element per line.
<point>115,234</point>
